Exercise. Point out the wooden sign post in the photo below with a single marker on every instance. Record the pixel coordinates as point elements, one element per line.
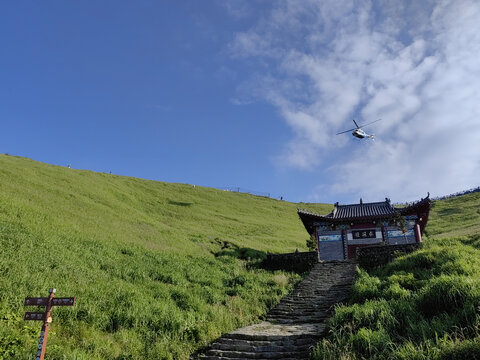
<point>46,316</point>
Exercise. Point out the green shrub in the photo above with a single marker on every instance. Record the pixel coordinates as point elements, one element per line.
<point>373,314</point>
<point>414,351</point>
<point>405,280</point>
<point>461,350</point>
<point>395,291</point>
<point>365,287</point>
<point>447,294</point>
<point>370,343</point>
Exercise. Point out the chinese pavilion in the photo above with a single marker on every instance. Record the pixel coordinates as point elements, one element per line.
<point>348,227</point>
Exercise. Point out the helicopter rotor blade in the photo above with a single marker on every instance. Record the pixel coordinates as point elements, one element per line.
<point>356,123</point>
<point>343,132</point>
<point>369,123</point>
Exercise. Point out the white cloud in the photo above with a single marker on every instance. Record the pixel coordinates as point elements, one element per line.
<point>238,9</point>
<point>250,44</point>
<point>414,64</point>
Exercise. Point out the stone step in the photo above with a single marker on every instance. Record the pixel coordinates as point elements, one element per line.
<point>286,321</point>
<point>298,313</point>
<point>271,338</point>
<point>255,355</point>
<point>285,341</point>
<point>248,347</point>
<point>301,307</point>
<point>295,324</point>
<point>316,314</point>
<point>210,357</point>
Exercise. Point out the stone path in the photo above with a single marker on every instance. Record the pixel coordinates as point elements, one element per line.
<point>295,324</point>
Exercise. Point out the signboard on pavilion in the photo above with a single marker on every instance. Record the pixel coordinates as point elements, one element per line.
<point>399,233</point>
<point>336,237</point>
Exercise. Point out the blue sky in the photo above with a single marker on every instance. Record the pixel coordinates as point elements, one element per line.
<point>248,93</point>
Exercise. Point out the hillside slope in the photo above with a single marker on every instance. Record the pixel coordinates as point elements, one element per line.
<point>158,269</point>
<point>157,215</point>
<point>457,216</point>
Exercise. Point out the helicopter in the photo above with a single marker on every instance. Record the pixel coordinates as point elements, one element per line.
<point>358,131</point>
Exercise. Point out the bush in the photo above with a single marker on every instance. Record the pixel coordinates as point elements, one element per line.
<point>365,287</point>
<point>311,243</point>
<point>447,294</point>
<point>461,350</point>
<point>370,343</point>
<point>373,314</point>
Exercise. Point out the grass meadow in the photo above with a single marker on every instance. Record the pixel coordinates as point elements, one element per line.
<point>424,305</point>
<point>158,269</point>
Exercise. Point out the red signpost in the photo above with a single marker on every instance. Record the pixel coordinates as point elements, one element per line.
<point>46,316</point>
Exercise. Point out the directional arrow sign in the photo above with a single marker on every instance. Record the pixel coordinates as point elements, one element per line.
<point>34,316</point>
<point>46,316</point>
<point>68,301</point>
<point>36,301</point>
<point>41,301</point>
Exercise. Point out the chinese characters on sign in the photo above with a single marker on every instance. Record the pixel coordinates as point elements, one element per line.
<point>364,234</point>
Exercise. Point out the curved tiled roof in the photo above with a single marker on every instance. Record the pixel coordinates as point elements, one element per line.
<point>357,211</point>
<point>377,209</point>
<point>361,211</point>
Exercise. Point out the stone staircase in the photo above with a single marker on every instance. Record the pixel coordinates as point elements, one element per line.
<point>295,324</point>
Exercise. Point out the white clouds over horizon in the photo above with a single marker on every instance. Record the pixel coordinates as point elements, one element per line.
<point>416,66</point>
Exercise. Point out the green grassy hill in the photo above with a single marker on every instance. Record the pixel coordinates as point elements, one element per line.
<point>425,305</point>
<point>158,269</point>
<point>457,216</point>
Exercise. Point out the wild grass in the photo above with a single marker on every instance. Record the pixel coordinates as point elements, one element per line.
<point>457,216</point>
<point>425,305</point>
<point>158,270</point>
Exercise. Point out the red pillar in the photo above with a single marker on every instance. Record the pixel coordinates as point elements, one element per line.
<point>418,234</point>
